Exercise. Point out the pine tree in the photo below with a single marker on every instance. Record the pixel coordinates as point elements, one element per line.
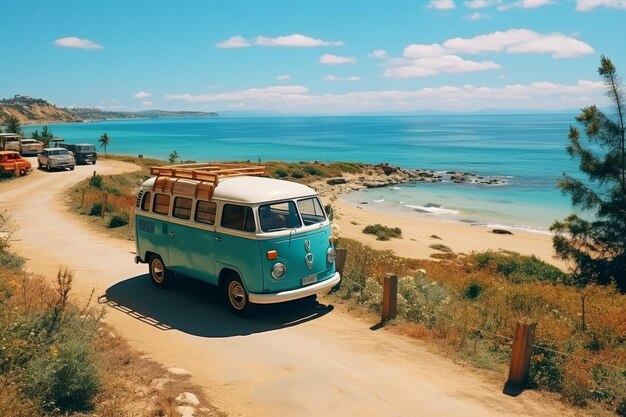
<point>594,240</point>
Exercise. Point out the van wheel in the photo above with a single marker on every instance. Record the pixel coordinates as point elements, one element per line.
<point>236,296</point>
<point>48,167</point>
<point>161,277</point>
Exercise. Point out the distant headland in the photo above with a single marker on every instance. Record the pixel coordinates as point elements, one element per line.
<point>29,110</point>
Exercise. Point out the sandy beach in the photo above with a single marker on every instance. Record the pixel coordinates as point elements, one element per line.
<point>419,234</point>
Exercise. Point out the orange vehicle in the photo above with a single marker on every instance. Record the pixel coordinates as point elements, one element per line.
<point>12,163</point>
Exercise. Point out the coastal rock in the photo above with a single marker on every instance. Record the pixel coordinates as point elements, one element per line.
<point>502,232</point>
<point>336,181</point>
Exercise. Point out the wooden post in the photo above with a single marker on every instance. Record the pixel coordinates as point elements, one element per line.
<point>94,174</point>
<point>390,297</point>
<point>82,198</point>
<point>340,260</point>
<point>520,358</point>
<point>104,205</point>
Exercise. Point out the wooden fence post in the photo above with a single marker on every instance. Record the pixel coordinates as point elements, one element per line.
<point>520,358</point>
<point>390,298</point>
<point>340,259</point>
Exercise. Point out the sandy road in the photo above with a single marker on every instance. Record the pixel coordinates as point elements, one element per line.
<point>294,360</point>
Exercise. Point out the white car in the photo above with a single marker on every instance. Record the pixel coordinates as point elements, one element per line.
<point>55,158</point>
<point>30,147</point>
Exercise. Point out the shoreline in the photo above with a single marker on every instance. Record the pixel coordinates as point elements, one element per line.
<point>419,234</point>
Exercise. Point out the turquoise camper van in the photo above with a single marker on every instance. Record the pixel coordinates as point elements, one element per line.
<point>260,240</point>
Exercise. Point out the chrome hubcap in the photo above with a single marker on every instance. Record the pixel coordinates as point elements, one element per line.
<point>236,295</point>
<point>157,270</point>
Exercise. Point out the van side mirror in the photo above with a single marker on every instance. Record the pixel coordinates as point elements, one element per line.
<point>328,208</point>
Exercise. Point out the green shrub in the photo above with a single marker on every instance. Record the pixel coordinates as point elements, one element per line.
<point>312,170</point>
<point>65,376</point>
<point>118,220</point>
<point>96,209</point>
<point>518,268</point>
<point>546,370</point>
<point>96,181</point>
<point>298,174</point>
<point>473,290</point>
<point>382,232</point>
<point>440,247</point>
<point>281,173</point>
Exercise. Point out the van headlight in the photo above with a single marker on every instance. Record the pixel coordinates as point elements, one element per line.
<point>330,255</point>
<point>278,271</point>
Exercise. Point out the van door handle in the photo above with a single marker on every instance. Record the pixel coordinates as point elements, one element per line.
<point>172,234</point>
<point>218,238</point>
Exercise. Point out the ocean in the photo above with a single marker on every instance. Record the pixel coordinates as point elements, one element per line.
<point>526,150</point>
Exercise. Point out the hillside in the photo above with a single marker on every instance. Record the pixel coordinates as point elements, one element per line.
<point>32,110</point>
<point>37,110</point>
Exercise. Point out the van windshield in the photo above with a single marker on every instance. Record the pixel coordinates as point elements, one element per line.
<point>86,148</point>
<point>311,211</point>
<point>278,216</point>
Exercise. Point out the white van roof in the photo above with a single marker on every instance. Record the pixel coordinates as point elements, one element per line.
<point>252,190</point>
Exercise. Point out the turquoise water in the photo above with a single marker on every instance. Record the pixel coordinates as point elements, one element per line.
<point>526,150</point>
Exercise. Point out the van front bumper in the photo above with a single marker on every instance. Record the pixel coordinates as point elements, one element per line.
<point>281,297</point>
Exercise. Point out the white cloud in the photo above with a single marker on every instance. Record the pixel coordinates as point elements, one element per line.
<point>538,95</point>
<point>283,77</point>
<point>441,4</point>
<point>424,67</point>
<point>517,41</point>
<point>74,42</point>
<point>423,51</point>
<point>478,4</point>
<point>295,40</point>
<point>587,5</point>
<point>234,42</point>
<point>330,59</point>
<point>331,77</point>
<point>142,94</point>
<point>476,16</point>
<point>267,93</point>
<point>379,53</point>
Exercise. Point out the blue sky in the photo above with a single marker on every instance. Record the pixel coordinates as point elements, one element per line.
<point>322,56</point>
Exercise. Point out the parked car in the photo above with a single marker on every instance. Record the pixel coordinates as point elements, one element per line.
<point>52,158</point>
<point>10,141</point>
<point>30,147</point>
<point>83,152</point>
<point>11,163</point>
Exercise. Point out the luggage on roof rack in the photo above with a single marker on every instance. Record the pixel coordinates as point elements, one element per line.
<point>199,179</point>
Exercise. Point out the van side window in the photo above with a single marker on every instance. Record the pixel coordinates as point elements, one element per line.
<point>238,218</point>
<point>205,212</point>
<point>161,204</point>
<point>182,208</point>
<point>146,200</point>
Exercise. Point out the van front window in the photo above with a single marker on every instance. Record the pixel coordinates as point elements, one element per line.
<point>311,211</point>
<point>278,216</point>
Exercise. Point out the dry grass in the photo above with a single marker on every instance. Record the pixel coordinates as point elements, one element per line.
<point>126,378</point>
<point>470,309</point>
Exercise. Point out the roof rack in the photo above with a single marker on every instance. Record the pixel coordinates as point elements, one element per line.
<point>199,179</point>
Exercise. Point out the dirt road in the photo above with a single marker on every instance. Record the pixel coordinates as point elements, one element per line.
<point>302,360</point>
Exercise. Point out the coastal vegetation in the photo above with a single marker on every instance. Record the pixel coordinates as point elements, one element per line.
<point>595,241</point>
<point>12,124</point>
<point>469,307</point>
<point>59,357</point>
<point>382,232</point>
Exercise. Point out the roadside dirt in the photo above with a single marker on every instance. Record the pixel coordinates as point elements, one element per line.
<point>290,360</point>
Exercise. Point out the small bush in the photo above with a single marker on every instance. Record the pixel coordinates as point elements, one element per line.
<point>118,220</point>
<point>382,232</point>
<point>298,174</point>
<point>518,268</point>
<point>473,290</point>
<point>546,370</point>
<point>96,209</point>
<point>313,170</point>
<point>96,181</point>
<point>440,247</point>
<point>281,173</point>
